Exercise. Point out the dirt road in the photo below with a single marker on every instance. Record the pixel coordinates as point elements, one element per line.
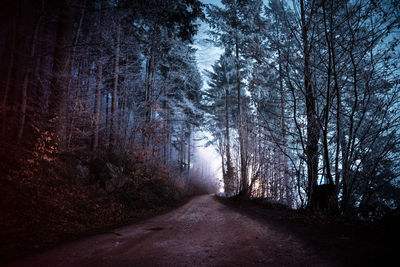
<point>203,232</point>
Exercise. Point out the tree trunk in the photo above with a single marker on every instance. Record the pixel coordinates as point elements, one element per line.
<point>327,103</point>
<point>189,149</point>
<point>347,146</point>
<point>61,68</point>
<point>313,129</point>
<point>99,80</point>
<point>97,102</point>
<point>27,75</point>
<point>284,164</point>
<point>338,104</point>
<point>243,160</point>
<point>150,71</point>
<point>229,169</point>
<point>166,126</point>
<point>13,31</point>
<point>114,99</point>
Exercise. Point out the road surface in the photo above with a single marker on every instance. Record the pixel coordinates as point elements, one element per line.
<point>203,232</point>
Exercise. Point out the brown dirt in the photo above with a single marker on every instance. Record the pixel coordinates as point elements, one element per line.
<point>208,232</point>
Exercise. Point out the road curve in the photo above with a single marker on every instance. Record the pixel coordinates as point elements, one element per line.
<point>203,232</point>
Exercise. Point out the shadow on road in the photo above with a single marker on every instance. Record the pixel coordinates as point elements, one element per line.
<point>342,242</point>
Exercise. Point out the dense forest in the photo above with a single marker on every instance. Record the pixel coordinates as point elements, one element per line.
<point>101,101</point>
<point>303,103</point>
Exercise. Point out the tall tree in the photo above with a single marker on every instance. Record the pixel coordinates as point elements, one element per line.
<point>220,103</point>
<point>227,25</point>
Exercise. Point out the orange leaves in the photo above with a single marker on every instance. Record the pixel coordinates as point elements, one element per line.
<point>46,145</point>
<point>46,158</point>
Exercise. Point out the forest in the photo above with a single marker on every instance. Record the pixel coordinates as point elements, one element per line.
<point>102,103</point>
<point>303,103</point>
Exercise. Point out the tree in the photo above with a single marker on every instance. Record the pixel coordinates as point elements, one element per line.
<point>227,25</point>
<point>219,102</point>
<point>62,62</point>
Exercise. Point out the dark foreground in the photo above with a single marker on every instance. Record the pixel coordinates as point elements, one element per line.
<point>211,232</point>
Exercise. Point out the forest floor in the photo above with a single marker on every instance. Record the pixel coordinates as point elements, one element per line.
<point>211,231</point>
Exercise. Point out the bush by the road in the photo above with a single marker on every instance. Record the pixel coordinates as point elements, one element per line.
<point>48,198</point>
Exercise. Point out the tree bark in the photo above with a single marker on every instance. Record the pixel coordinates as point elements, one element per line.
<point>99,79</point>
<point>114,99</point>
<point>243,159</point>
<point>229,169</point>
<point>97,102</point>
<point>189,148</point>
<point>327,103</point>
<point>313,128</point>
<point>27,75</point>
<point>61,67</point>
<point>13,33</point>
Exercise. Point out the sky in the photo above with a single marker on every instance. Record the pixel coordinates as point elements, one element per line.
<point>206,53</point>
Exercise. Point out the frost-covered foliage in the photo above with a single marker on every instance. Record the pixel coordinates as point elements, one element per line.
<point>319,90</point>
<point>108,74</point>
